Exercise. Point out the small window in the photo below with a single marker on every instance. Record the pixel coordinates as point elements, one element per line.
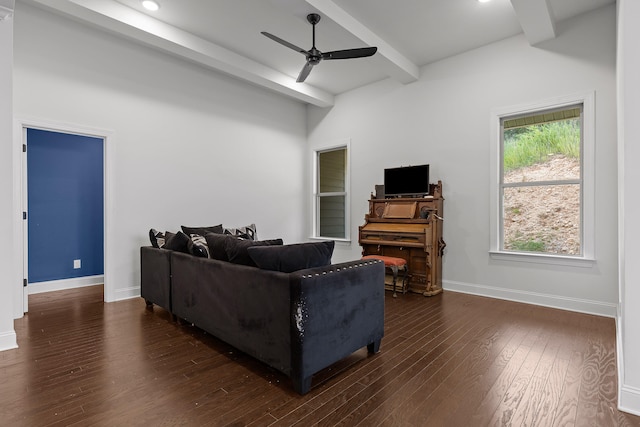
<point>331,197</point>
<point>544,192</point>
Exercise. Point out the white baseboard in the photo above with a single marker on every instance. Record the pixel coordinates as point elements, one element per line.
<point>629,400</point>
<point>59,285</point>
<point>628,396</point>
<point>8,340</point>
<point>127,293</point>
<point>619,354</point>
<point>545,300</point>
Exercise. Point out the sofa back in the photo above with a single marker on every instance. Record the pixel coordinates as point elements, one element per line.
<point>244,306</point>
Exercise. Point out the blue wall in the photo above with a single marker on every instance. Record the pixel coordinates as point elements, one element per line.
<point>65,205</point>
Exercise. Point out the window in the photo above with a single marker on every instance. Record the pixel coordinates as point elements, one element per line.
<point>331,196</point>
<point>544,191</point>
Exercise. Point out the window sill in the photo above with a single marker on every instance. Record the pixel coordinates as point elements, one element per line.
<point>543,259</point>
<point>339,241</point>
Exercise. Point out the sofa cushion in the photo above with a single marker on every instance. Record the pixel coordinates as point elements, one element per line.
<point>202,230</point>
<point>198,246</point>
<point>237,249</point>
<point>177,242</point>
<point>289,258</point>
<point>248,232</point>
<point>215,242</point>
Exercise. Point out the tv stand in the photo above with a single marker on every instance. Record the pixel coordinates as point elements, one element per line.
<point>409,228</point>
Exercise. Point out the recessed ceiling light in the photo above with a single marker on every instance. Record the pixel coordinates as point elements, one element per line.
<point>150,5</point>
<point>484,1</point>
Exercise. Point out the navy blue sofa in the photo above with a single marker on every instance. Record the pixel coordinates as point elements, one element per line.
<point>298,323</point>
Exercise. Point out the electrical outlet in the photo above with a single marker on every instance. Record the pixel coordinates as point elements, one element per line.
<point>76,263</point>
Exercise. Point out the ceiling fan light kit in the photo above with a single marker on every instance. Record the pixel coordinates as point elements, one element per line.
<point>314,56</point>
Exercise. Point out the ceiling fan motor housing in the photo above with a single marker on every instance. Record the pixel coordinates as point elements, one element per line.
<point>314,56</point>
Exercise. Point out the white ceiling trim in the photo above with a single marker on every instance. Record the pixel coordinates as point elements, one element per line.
<point>121,19</point>
<point>536,19</point>
<point>393,62</point>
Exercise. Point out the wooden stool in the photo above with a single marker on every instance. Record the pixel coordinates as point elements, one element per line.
<point>394,264</point>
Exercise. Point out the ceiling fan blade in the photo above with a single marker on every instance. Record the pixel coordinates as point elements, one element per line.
<point>350,53</point>
<point>285,43</point>
<point>304,72</point>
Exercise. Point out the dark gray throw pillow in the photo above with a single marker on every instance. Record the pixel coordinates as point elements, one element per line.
<point>237,249</point>
<point>216,245</point>
<point>177,242</point>
<point>290,258</point>
<point>202,230</point>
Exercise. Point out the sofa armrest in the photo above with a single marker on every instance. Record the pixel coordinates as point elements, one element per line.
<point>155,276</point>
<point>336,310</point>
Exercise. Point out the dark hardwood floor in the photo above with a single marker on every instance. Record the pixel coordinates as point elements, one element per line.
<point>449,360</point>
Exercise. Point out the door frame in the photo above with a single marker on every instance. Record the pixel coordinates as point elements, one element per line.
<point>20,201</point>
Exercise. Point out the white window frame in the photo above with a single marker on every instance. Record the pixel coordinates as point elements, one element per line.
<point>346,145</point>
<point>587,257</point>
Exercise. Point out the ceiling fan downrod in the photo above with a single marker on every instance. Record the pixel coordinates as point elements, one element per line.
<point>313,19</point>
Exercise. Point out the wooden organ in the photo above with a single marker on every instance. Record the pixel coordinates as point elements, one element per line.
<point>408,228</point>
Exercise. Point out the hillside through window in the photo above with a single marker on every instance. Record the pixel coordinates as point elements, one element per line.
<point>541,182</point>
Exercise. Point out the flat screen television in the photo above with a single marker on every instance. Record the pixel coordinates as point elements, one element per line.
<point>406,181</point>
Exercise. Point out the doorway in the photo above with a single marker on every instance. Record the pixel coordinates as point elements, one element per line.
<point>64,202</point>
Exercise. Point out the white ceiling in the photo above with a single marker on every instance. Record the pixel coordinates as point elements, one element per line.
<point>225,34</point>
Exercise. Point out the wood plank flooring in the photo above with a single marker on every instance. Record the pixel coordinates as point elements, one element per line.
<point>448,360</point>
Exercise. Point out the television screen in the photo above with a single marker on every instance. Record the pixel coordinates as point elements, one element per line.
<point>406,181</point>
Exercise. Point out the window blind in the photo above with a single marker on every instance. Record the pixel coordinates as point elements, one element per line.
<point>546,117</point>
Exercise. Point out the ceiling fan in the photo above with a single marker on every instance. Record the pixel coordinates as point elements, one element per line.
<point>314,56</point>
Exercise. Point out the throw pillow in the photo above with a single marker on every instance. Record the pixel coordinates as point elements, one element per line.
<point>202,230</point>
<point>237,249</point>
<point>290,258</point>
<point>157,238</point>
<point>248,232</point>
<point>215,243</point>
<point>198,246</point>
<point>177,242</point>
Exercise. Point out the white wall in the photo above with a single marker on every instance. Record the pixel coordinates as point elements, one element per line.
<point>444,120</point>
<point>629,179</point>
<point>188,146</point>
<point>8,284</point>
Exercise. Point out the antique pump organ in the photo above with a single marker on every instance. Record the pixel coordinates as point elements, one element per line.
<point>409,228</point>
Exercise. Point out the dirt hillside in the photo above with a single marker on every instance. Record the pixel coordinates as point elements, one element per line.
<point>544,219</point>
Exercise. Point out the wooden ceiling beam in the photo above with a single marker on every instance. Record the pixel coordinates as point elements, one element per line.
<point>392,62</point>
<point>120,19</point>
